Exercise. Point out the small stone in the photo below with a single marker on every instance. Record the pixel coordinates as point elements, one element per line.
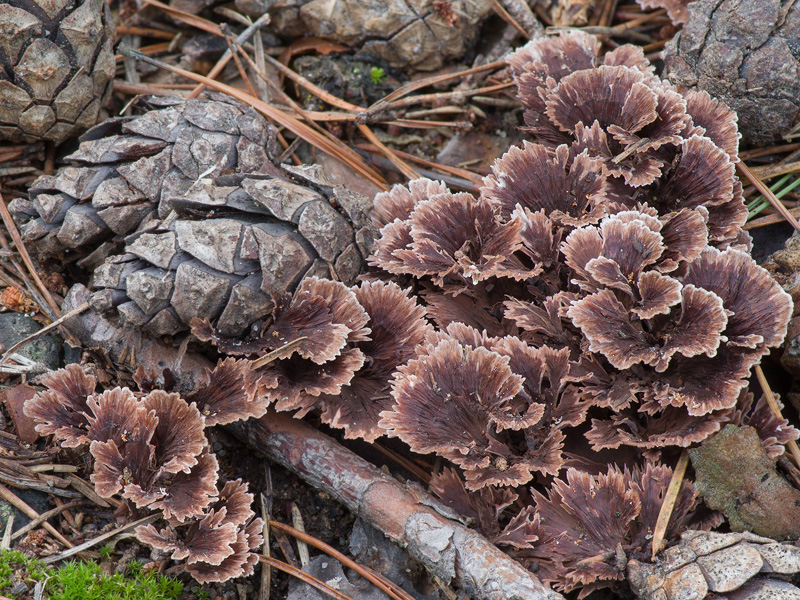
<point>15,327</point>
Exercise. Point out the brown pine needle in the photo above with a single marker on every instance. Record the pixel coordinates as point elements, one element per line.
<point>391,588</point>
<point>767,193</point>
<point>504,14</point>
<point>277,353</point>
<point>413,86</point>
<point>302,547</point>
<point>266,571</point>
<point>26,258</point>
<point>332,146</point>
<point>188,18</point>
<point>773,406</point>
<point>398,162</point>
<point>669,503</point>
<point>303,576</point>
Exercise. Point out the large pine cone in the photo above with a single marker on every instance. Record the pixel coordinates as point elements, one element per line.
<point>128,168</point>
<point>181,214</point>
<point>230,247</point>
<point>56,67</point>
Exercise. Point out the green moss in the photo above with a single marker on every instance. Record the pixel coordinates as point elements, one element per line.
<point>77,580</point>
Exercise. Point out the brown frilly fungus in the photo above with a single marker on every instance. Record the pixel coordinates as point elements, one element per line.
<point>605,308</point>
<point>151,450</point>
<point>342,346</point>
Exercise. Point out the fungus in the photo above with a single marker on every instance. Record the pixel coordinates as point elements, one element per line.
<point>630,233</point>
<point>446,400</point>
<point>151,450</point>
<point>485,508</point>
<point>400,201</point>
<point>583,524</point>
<point>398,325</point>
<point>234,393</point>
<point>774,432</point>
<point>218,546</point>
<point>61,411</point>
<point>537,178</point>
<point>714,120</point>
<point>457,236</point>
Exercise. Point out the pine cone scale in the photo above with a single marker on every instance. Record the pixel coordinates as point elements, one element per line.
<point>58,64</point>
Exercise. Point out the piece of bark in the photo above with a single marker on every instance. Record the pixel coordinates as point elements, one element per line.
<point>15,399</point>
<point>449,550</point>
<point>735,476</point>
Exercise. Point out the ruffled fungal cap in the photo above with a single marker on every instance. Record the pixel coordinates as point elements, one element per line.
<point>324,312</point>
<point>775,432</point>
<point>669,426</point>
<point>218,546</point>
<point>156,457</point>
<point>558,56</point>
<point>485,507</point>
<point>62,410</point>
<point>715,120</point>
<point>571,192</point>
<point>445,401</point>
<point>582,524</point>
<point>398,326</point>
<point>609,95</point>
<point>232,394</point>
<point>460,237</point>
<point>400,201</point>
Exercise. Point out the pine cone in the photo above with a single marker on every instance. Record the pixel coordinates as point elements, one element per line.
<point>127,170</point>
<point>228,248</point>
<point>57,65</point>
<point>176,222</point>
<point>730,565</point>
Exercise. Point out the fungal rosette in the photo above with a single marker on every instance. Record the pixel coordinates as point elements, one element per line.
<point>641,309</point>
<point>150,449</point>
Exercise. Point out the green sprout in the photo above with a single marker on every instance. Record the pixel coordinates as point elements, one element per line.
<point>377,74</point>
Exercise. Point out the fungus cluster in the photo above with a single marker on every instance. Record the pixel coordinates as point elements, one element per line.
<point>598,294</point>
<point>335,350</point>
<point>595,302</point>
<point>151,450</point>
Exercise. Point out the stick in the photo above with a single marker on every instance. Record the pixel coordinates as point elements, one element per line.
<point>448,549</point>
<point>100,538</point>
<point>669,502</point>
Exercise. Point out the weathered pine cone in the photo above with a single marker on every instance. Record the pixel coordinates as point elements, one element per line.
<point>56,67</point>
<point>183,215</point>
<point>733,566</point>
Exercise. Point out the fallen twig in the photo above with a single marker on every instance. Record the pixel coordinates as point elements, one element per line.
<point>448,549</point>
<point>100,538</point>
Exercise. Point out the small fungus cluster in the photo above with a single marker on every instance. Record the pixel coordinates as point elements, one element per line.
<point>151,450</point>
